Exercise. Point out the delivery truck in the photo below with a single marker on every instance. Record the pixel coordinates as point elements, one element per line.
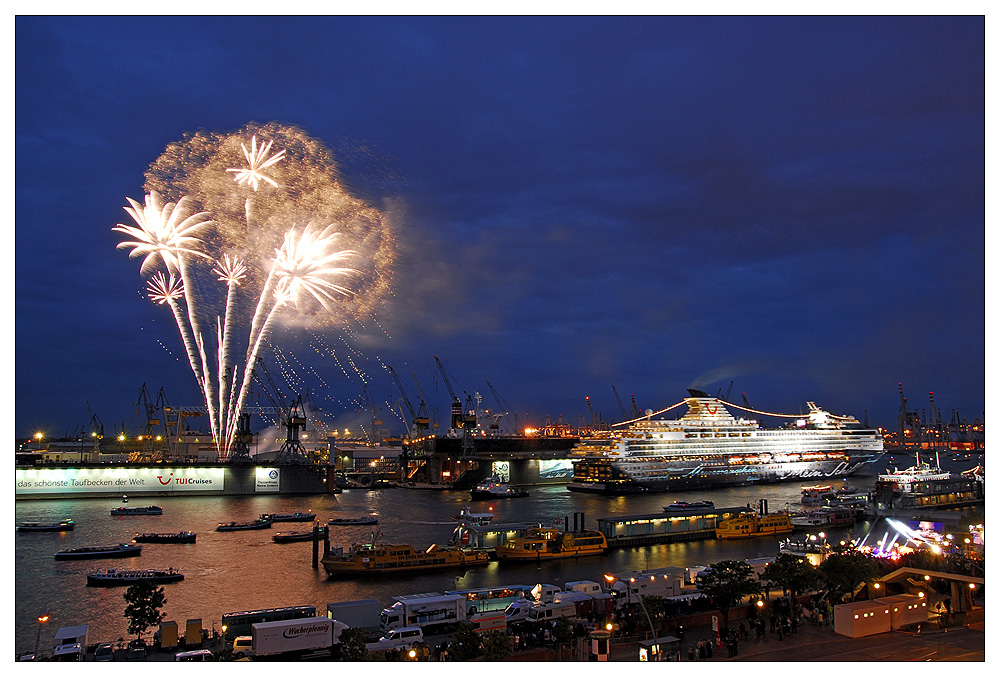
<point>290,638</point>
<point>428,611</point>
<point>71,643</point>
<point>358,613</point>
<point>600,604</point>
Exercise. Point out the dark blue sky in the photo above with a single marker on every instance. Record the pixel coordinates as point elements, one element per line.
<point>795,205</point>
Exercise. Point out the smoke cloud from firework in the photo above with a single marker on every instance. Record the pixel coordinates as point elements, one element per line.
<point>254,231</point>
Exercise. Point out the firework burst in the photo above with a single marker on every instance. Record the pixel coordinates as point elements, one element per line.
<point>293,276</point>
<point>258,161</point>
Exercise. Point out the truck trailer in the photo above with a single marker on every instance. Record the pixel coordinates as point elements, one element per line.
<point>295,636</point>
<point>428,611</point>
<point>358,613</point>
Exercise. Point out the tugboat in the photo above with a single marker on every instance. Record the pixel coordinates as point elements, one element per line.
<point>112,577</point>
<point>65,525</point>
<point>384,559</point>
<point>549,543</point>
<point>148,510</point>
<point>243,526</point>
<point>179,537</point>
<point>493,487</point>
<point>101,551</point>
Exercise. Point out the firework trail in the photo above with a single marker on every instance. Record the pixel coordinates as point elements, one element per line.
<point>249,267</point>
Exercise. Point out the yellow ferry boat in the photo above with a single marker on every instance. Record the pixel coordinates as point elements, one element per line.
<point>387,559</point>
<point>548,543</point>
<point>749,525</point>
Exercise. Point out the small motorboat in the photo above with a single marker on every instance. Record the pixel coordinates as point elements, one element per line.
<point>693,505</point>
<point>493,488</point>
<point>815,495</point>
<point>65,525</point>
<point>101,551</point>
<point>297,536</point>
<point>289,516</point>
<point>111,577</point>
<point>469,518</point>
<point>179,537</point>
<point>147,510</point>
<point>353,521</point>
<point>244,526</point>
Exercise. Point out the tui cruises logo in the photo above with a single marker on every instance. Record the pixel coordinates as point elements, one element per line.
<point>178,481</point>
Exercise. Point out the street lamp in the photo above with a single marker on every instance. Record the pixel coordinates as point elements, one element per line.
<point>611,579</point>
<point>43,618</point>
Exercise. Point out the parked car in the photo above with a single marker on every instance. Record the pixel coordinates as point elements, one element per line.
<point>105,652</point>
<point>136,651</point>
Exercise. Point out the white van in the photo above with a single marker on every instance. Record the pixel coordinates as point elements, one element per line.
<point>401,638</point>
<point>196,655</point>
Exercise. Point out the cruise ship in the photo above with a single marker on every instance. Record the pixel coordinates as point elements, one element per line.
<point>708,447</point>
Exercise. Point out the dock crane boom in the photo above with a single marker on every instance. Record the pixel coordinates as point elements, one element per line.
<point>621,407</point>
<point>458,418</point>
<point>418,418</point>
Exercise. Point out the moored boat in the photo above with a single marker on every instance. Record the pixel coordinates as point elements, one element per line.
<point>750,525</point>
<point>179,537</point>
<point>684,505</point>
<point>817,493</point>
<point>64,525</point>
<point>307,516</point>
<point>101,551</point>
<point>147,510</point>
<point>494,488</point>
<point>469,518</point>
<point>244,526</point>
<point>296,536</point>
<point>550,543</point>
<point>353,521</point>
<point>112,577</point>
<point>923,487</point>
<point>387,559</point>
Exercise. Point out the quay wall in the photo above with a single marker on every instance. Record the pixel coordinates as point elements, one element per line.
<point>103,481</point>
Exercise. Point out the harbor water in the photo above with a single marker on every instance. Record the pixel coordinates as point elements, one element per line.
<point>243,570</point>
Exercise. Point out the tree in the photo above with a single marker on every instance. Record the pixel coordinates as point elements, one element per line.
<point>352,645</point>
<point>466,646</point>
<point>143,602</point>
<point>727,583</point>
<point>793,574</point>
<point>562,632</point>
<point>496,646</point>
<point>844,572</point>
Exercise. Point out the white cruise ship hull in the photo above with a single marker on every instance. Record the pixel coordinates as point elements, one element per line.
<point>709,448</point>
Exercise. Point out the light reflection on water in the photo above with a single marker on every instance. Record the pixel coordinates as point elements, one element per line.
<point>234,571</point>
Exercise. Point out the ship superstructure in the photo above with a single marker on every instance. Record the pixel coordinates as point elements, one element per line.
<point>709,447</point>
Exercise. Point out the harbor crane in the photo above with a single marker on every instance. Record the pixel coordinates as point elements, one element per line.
<point>621,407</point>
<point>292,417</point>
<point>459,419</point>
<point>728,393</point>
<point>419,422</point>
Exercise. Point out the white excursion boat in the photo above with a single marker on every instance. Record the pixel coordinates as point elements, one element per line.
<point>708,447</point>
